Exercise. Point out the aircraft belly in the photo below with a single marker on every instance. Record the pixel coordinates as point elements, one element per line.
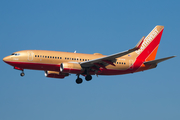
<point>115,72</point>
<point>36,66</point>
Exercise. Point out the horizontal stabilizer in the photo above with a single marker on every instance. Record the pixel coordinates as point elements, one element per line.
<point>158,60</point>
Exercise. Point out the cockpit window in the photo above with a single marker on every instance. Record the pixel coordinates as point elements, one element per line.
<point>16,54</point>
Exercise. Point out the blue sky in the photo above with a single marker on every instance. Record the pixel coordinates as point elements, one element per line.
<point>103,26</point>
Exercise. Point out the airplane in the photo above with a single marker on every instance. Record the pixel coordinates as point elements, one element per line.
<point>61,64</point>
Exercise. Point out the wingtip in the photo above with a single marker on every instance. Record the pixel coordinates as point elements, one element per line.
<point>138,46</point>
<point>173,56</point>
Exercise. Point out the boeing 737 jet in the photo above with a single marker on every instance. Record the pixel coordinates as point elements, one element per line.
<point>61,64</point>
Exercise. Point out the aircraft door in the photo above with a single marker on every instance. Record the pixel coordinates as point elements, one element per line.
<point>131,64</point>
<point>30,55</point>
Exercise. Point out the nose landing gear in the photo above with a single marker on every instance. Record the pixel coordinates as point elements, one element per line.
<point>22,74</point>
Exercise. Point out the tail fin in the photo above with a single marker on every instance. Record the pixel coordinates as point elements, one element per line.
<point>150,45</point>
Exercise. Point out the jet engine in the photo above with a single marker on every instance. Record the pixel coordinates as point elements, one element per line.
<point>74,68</point>
<point>54,74</point>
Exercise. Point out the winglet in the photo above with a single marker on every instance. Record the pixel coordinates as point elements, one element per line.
<point>140,43</point>
<point>138,46</point>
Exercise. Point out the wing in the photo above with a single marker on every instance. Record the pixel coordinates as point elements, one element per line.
<point>104,61</point>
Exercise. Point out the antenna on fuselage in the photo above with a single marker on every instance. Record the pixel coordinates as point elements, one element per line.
<point>75,51</point>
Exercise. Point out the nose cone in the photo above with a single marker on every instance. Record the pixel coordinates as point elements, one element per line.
<point>8,58</point>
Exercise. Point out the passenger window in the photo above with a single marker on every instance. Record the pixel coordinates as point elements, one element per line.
<point>38,55</point>
<point>45,56</point>
<point>60,57</point>
<point>48,56</point>
<point>35,55</point>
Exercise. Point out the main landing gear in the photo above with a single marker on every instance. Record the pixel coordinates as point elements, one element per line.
<point>79,80</point>
<point>88,77</point>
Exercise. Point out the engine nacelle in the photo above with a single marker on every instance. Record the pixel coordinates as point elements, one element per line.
<point>71,68</point>
<point>54,74</point>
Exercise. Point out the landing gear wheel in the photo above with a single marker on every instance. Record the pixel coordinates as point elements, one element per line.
<point>22,74</point>
<point>79,80</point>
<point>88,77</point>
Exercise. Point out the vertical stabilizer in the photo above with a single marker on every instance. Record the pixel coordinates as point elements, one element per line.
<point>150,44</point>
